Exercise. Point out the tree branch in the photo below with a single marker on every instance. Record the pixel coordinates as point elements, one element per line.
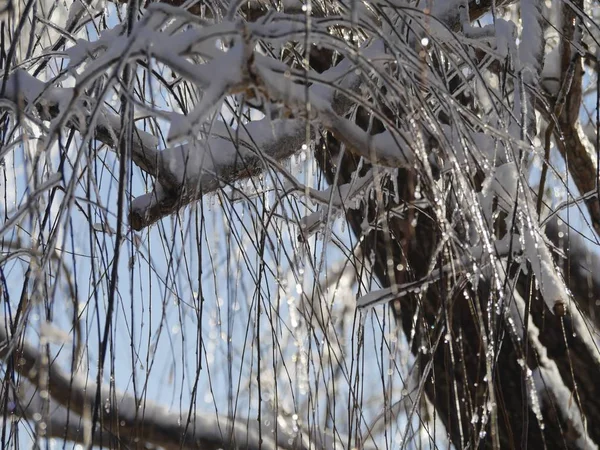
<point>122,418</point>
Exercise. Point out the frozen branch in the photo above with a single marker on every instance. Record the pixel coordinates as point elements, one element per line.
<point>188,172</point>
<point>47,101</point>
<point>58,422</point>
<point>223,155</point>
<point>204,173</point>
<point>122,418</point>
<point>531,55</point>
<point>546,379</point>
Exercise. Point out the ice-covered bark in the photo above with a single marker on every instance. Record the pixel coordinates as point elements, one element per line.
<point>545,382</point>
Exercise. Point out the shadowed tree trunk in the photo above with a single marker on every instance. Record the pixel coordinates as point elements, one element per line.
<point>451,321</point>
<point>448,329</point>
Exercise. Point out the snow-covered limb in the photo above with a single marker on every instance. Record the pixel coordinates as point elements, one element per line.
<point>333,200</point>
<point>122,419</point>
<point>531,55</point>
<point>58,422</point>
<point>449,11</point>
<point>546,378</point>
<point>223,155</point>
<point>43,99</point>
<point>392,148</point>
<point>187,171</point>
<point>172,46</point>
<point>505,184</point>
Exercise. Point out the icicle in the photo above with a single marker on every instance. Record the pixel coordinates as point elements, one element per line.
<point>395,184</point>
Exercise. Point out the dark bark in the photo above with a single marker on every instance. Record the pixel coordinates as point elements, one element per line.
<point>459,365</point>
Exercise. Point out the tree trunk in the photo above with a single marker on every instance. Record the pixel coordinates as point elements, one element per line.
<point>451,326</point>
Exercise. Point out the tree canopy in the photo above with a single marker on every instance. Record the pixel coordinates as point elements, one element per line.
<point>300,224</point>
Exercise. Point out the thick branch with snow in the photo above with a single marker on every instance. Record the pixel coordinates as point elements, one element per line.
<point>127,419</point>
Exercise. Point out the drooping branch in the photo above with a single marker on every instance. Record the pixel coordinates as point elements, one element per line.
<point>188,173</point>
<point>546,385</point>
<point>467,389</point>
<point>58,422</point>
<point>183,176</point>
<point>462,387</point>
<point>170,193</point>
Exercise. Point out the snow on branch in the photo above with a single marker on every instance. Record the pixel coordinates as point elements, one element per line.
<point>272,80</point>
<point>506,184</point>
<point>449,11</point>
<point>390,148</point>
<point>185,172</point>
<point>223,155</point>
<point>122,419</point>
<point>334,200</point>
<point>36,97</point>
<point>546,377</point>
<point>531,55</point>
<point>58,422</point>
